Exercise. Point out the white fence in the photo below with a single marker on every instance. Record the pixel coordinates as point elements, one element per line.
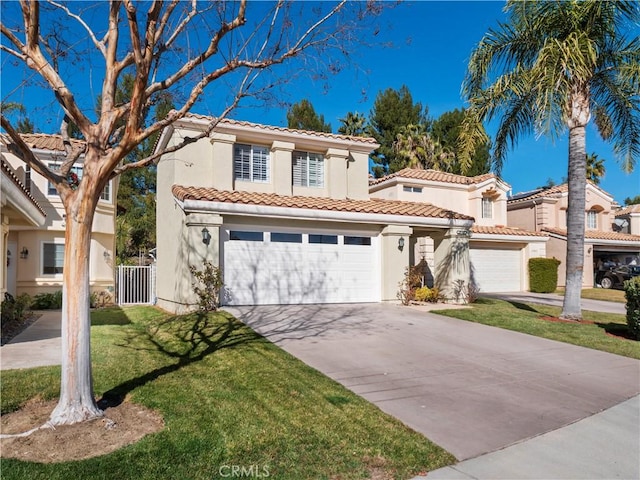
<point>136,285</point>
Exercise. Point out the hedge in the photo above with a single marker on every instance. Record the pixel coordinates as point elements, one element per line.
<point>632,294</point>
<point>543,274</point>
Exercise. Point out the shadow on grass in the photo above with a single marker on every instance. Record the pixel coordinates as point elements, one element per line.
<point>187,339</point>
<point>523,306</point>
<point>618,330</point>
<point>109,316</point>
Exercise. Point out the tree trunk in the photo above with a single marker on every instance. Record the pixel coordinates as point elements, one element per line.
<point>575,223</point>
<point>77,402</point>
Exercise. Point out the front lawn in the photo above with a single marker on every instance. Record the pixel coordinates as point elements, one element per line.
<point>607,294</point>
<point>228,397</point>
<point>600,331</point>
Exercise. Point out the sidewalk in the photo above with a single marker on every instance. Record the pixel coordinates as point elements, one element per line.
<point>556,300</point>
<point>39,345</point>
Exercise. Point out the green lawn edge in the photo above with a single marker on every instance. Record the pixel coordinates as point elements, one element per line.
<point>228,397</point>
<point>600,331</point>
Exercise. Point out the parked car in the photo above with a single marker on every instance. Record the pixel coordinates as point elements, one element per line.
<point>616,276</point>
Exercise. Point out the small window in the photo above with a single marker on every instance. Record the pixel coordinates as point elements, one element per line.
<point>412,189</point>
<point>286,237</point>
<point>52,191</point>
<point>106,193</point>
<point>52,258</point>
<point>487,207</point>
<point>27,178</point>
<point>357,240</point>
<point>308,169</point>
<point>592,220</point>
<point>251,163</point>
<point>325,239</point>
<point>246,236</point>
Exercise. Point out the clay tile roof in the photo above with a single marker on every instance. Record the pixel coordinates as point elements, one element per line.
<point>372,206</point>
<point>228,121</point>
<point>432,175</point>
<point>497,230</point>
<point>628,210</point>
<point>42,141</point>
<point>540,193</point>
<point>6,168</point>
<point>597,235</point>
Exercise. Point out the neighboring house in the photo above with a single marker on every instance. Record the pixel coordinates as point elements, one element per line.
<point>33,223</point>
<point>498,254</point>
<point>606,240</point>
<point>288,217</point>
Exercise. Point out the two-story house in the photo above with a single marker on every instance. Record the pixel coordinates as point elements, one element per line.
<point>288,217</point>
<point>33,227</point>
<point>498,254</point>
<point>545,210</point>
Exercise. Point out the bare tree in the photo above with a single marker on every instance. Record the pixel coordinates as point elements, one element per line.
<point>182,47</point>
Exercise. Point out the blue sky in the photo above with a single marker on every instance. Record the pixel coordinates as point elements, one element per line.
<point>431,44</point>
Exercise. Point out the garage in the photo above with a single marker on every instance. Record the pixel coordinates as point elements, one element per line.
<point>288,267</point>
<point>496,269</point>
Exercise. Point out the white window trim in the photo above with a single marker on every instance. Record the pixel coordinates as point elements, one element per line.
<point>55,241</point>
<point>251,179</point>
<point>305,157</point>
<point>488,203</point>
<point>592,215</point>
<point>78,170</point>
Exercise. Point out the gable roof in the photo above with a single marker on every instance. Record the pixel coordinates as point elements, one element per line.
<point>597,235</point>
<point>551,192</point>
<point>372,206</point>
<point>432,175</point>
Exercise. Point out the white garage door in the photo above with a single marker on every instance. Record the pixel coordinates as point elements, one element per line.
<point>262,268</point>
<point>497,270</point>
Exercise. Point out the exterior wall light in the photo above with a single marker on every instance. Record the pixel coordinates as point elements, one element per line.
<point>24,253</point>
<point>401,243</point>
<point>206,236</point>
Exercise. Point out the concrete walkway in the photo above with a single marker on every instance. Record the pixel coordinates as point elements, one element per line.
<point>556,300</point>
<point>37,346</point>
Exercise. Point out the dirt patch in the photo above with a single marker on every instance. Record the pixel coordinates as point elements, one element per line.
<point>561,320</point>
<point>121,425</point>
<point>15,327</point>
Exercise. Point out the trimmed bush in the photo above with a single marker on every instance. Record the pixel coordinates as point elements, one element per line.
<point>632,294</point>
<point>426,294</point>
<point>47,301</point>
<point>543,274</point>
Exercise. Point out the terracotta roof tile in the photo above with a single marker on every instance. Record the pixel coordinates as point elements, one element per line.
<point>628,210</point>
<point>229,121</point>
<point>496,230</point>
<point>6,168</point>
<point>432,175</point>
<point>373,206</point>
<point>540,193</point>
<point>42,141</point>
<point>597,235</point>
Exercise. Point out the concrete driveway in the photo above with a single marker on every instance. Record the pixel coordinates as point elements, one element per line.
<point>470,388</point>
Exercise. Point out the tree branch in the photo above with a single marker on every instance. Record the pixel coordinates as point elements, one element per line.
<point>99,44</point>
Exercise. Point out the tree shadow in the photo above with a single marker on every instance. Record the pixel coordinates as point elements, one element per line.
<point>522,306</point>
<point>187,339</point>
<point>109,316</point>
<point>618,330</point>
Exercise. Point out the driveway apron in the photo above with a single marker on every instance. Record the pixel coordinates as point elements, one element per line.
<point>470,388</point>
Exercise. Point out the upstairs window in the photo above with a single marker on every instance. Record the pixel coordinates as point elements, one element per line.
<point>487,207</point>
<point>412,189</point>
<point>592,220</point>
<point>52,258</point>
<point>51,189</point>
<point>308,169</point>
<point>251,163</point>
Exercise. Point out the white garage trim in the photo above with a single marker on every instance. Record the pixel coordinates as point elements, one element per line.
<point>497,269</point>
<point>303,269</point>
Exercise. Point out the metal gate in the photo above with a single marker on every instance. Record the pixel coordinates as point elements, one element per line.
<point>136,285</point>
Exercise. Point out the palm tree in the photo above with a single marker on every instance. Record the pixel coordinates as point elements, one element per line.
<point>420,150</point>
<point>354,125</point>
<point>548,70</point>
<point>595,168</point>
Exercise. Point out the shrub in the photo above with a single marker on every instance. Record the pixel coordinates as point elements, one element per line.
<point>14,309</point>
<point>410,283</point>
<point>465,292</point>
<point>47,301</point>
<point>207,285</point>
<point>632,294</point>
<point>426,294</point>
<point>543,274</point>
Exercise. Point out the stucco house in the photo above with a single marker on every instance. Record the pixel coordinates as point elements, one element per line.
<point>290,218</point>
<point>607,236</point>
<point>498,254</point>
<point>33,223</point>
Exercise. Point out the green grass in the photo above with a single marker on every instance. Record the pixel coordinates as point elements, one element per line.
<point>525,318</point>
<point>609,295</point>
<point>228,397</point>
